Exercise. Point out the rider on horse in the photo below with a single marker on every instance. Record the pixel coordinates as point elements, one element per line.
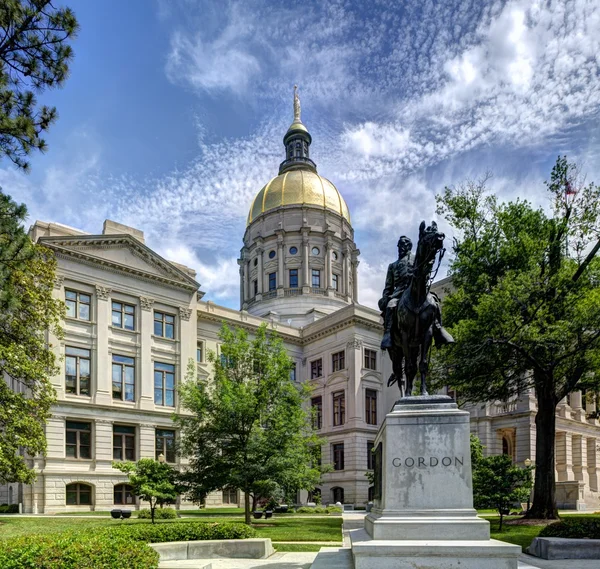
<point>397,280</point>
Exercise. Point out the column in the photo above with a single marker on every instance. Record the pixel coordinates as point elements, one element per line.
<point>593,464</point>
<point>305,264</point>
<point>564,456</point>
<point>147,444</point>
<point>103,451</point>
<point>355,405</point>
<point>242,283</point>
<point>102,357</point>
<point>328,247</point>
<point>259,274</point>
<point>580,458</point>
<point>576,405</point>
<point>346,271</point>
<point>280,266</point>
<point>146,371</point>
<point>355,281</point>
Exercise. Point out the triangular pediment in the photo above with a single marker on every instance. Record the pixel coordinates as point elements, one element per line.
<point>122,253</point>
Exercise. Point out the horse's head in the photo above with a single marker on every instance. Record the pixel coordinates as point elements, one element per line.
<point>430,242</point>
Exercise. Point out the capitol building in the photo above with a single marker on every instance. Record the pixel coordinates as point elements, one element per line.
<point>135,320</point>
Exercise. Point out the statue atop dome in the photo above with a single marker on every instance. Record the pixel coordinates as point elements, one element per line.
<point>296,105</point>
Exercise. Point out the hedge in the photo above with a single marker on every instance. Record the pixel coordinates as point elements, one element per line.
<point>9,509</point>
<point>76,550</point>
<point>575,528</point>
<point>159,514</point>
<point>123,546</point>
<point>181,531</point>
<point>319,510</point>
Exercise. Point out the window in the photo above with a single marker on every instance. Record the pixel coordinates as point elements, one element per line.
<point>293,278</point>
<point>316,278</point>
<point>339,408</point>
<point>77,371</point>
<point>272,254</point>
<point>78,439</point>
<point>316,404</point>
<point>255,287</point>
<point>370,359</point>
<point>123,443</point>
<point>371,406</point>
<point>335,256</point>
<point>165,444</point>
<point>338,494</point>
<point>79,495</point>
<point>338,360</point>
<point>293,250</point>
<point>123,315</point>
<point>370,455</point>
<point>338,456</point>
<point>315,251</point>
<point>200,352</point>
<point>164,384</point>
<point>256,261</point>
<point>78,304</point>
<point>164,325</point>
<point>335,282</point>
<point>123,378</point>
<point>230,496</point>
<point>316,368</point>
<point>371,493</point>
<point>293,372</point>
<point>272,281</point>
<point>124,494</point>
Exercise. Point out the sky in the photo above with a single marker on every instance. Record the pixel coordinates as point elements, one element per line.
<point>173,115</point>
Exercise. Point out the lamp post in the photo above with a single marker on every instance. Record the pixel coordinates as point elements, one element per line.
<point>161,458</point>
<point>528,463</point>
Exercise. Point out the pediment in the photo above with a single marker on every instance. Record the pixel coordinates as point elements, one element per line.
<point>122,253</point>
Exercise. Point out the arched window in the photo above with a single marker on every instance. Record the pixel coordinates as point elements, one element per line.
<point>338,494</point>
<point>505,446</point>
<point>79,494</point>
<point>124,494</point>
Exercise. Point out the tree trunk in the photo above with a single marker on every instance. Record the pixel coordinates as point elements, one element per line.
<point>152,510</point>
<point>254,500</point>
<point>544,507</point>
<point>501,518</point>
<point>247,507</point>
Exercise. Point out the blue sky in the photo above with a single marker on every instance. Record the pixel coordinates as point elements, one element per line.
<point>173,116</point>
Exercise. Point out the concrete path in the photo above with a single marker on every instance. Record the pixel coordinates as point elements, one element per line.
<point>300,560</point>
<point>528,562</point>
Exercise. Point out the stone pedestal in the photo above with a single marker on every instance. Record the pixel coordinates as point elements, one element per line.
<point>423,513</point>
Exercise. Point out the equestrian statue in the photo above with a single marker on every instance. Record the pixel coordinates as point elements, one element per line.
<point>412,315</point>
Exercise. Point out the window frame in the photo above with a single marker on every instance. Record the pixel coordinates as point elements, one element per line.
<point>163,323</point>
<point>370,359</point>
<point>370,455</point>
<point>316,365</point>
<point>123,313</point>
<point>335,282</point>
<point>293,370</point>
<point>124,489</point>
<point>371,406</point>
<point>124,380</point>
<point>78,492</point>
<point>255,286</point>
<point>337,452</point>
<point>229,492</point>
<point>317,415</point>
<point>78,358</point>
<point>164,389</point>
<point>338,361</point>
<point>200,348</point>
<point>163,449</point>
<point>272,281</point>
<point>315,278</point>
<point>78,303</point>
<point>339,407</point>
<point>77,444</point>
<point>124,448</point>
<point>293,276</point>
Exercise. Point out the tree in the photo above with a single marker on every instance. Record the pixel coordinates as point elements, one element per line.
<point>152,481</point>
<point>34,55</point>
<point>27,314</point>
<point>526,309</point>
<point>248,426</point>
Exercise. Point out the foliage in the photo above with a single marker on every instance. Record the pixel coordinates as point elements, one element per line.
<point>34,55</point>
<point>319,510</point>
<point>580,528</point>
<point>497,482</point>
<point>159,514</point>
<point>28,313</point>
<point>152,481</point>
<point>180,531</point>
<point>76,550</point>
<point>9,509</point>
<point>525,311</point>
<point>247,426</point>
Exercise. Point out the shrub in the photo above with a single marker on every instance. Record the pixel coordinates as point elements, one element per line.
<point>319,510</point>
<point>181,531</point>
<point>334,510</point>
<point>9,509</point>
<point>305,510</point>
<point>159,514</point>
<point>575,528</point>
<point>76,550</point>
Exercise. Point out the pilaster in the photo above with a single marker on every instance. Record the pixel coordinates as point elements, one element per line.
<point>580,458</point>
<point>564,456</point>
<point>147,441</point>
<point>103,431</point>
<point>103,394</point>
<point>145,361</point>
<point>593,463</point>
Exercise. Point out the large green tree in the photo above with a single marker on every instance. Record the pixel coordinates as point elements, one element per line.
<point>34,55</point>
<point>249,425</point>
<point>526,307</point>
<point>28,313</point>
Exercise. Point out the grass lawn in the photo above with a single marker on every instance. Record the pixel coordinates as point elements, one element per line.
<point>293,547</point>
<point>277,528</point>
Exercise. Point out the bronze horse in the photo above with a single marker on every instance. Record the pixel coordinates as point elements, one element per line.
<point>412,331</point>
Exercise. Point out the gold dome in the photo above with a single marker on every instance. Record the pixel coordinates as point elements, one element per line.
<point>298,187</point>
